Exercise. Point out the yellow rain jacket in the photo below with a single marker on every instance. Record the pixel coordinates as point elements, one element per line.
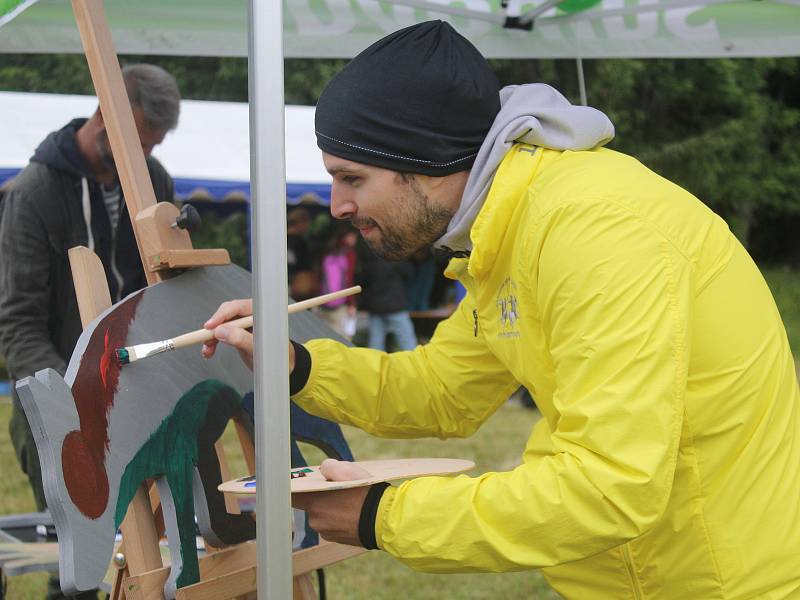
<point>667,461</point>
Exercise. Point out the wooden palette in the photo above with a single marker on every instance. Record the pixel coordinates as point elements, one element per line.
<point>309,479</point>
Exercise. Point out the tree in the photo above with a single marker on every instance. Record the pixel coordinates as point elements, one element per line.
<point>728,130</point>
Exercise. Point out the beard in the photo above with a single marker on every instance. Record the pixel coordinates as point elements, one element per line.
<point>104,150</point>
<point>416,224</point>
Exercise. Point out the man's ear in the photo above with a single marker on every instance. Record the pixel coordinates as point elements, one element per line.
<point>430,182</point>
<point>451,187</point>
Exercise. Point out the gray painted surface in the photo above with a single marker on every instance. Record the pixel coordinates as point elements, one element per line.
<point>147,393</point>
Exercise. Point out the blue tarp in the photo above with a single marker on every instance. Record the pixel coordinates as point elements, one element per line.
<point>184,188</point>
<point>6,174</point>
<point>218,190</point>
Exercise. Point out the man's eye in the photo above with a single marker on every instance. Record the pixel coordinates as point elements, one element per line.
<point>350,179</point>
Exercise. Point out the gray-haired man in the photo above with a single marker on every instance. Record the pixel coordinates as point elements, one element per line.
<point>69,195</point>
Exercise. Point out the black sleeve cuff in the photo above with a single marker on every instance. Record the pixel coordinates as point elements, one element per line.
<point>302,368</point>
<point>369,513</point>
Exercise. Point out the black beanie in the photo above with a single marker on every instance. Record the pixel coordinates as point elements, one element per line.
<point>421,100</point>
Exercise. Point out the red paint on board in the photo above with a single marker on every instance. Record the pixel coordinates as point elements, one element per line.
<point>89,490</point>
<point>83,452</point>
<point>108,363</point>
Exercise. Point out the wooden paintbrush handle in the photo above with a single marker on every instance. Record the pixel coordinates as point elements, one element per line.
<point>204,335</point>
<point>324,299</point>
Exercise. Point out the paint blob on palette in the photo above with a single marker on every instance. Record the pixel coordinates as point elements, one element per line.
<point>313,479</point>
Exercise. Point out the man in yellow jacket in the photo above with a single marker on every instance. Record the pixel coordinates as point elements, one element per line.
<point>667,461</point>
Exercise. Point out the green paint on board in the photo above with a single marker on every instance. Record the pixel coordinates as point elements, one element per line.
<point>171,452</point>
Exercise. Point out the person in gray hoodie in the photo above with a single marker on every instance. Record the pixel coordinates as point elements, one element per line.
<point>69,195</point>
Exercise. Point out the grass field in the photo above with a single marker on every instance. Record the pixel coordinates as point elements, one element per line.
<point>375,576</point>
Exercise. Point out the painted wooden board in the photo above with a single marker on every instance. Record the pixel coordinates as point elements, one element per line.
<point>309,479</point>
<point>102,430</point>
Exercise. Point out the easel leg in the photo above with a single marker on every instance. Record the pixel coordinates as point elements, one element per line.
<point>303,587</point>
<point>118,592</point>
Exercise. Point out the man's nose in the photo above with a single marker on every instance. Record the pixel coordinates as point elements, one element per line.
<point>342,205</point>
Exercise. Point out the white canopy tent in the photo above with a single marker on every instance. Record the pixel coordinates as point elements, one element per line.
<point>341,28</point>
<point>209,150</point>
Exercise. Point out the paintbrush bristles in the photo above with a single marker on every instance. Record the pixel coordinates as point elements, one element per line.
<point>134,353</point>
<point>123,356</point>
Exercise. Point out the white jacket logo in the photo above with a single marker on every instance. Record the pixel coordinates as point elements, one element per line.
<point>509,309</point>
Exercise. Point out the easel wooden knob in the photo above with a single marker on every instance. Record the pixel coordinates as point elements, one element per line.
<point>166,247</point>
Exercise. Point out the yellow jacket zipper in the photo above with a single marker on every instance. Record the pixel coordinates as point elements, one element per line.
<point>626,557</point>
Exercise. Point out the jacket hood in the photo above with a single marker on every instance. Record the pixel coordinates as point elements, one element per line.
<point>59,150</point>
<point>534,114</point>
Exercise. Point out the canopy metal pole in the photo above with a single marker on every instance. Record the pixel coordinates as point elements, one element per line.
<point>270,367</point>
<point>581,82</point>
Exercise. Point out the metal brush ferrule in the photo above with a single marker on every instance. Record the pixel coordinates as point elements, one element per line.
<point>145,350</point>
<point>164,346</point>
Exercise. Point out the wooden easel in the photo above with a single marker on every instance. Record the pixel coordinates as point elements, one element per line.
<point>224,573</point>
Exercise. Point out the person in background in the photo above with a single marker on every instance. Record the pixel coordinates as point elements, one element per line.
<point>385,298</point>
<point>420,285</point>
<point>303,281</point>
<point>338,273</point>
<point>69,195</point>
<point>318,230</point>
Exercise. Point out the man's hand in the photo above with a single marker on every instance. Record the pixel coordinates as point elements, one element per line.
<point>239,338</point>
<point>334,515</point>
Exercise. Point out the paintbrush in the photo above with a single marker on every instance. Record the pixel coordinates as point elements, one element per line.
<point>133,353</point>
